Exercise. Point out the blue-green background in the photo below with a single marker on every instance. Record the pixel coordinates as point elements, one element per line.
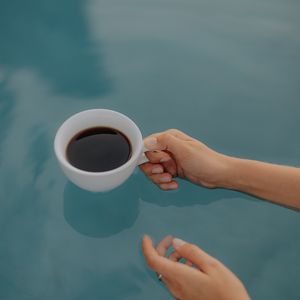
<point>226,72</point>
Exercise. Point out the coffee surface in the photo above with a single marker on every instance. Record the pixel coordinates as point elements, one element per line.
<point>98,149</point>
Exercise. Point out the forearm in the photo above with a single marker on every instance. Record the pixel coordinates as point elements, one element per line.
<point>280,184</point>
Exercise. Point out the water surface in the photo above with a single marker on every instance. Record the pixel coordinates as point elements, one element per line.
<point>224,72</point>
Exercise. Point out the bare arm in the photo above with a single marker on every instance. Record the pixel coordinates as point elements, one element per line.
<point>280,184</point>
<point>177,154</point>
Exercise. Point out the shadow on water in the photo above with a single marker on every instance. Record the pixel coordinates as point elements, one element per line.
<point>52,38</point>
<point>101,214</point>
<point>106,214</point>
<point>187,195</point>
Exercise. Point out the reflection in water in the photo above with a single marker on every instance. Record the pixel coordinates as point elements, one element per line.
<point>230,78</point>
<point>197,195</point>
<point>52,38</point>
<point>101,214</point>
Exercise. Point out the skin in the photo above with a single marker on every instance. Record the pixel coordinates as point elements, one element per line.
<point>201,278</point>
<point>174,154</point>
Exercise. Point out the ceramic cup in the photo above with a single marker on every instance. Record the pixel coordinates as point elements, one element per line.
<point>99,181</point>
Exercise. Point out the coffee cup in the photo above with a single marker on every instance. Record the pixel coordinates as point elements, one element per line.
<point>99,181</point>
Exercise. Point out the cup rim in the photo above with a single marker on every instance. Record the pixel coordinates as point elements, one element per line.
<point>69,166</point>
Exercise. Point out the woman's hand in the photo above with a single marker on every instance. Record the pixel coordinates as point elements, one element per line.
<point>202,277</point>
<point>173,153</point>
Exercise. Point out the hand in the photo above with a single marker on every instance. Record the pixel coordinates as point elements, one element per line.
<point>202,277</point>
<point>173,153</point>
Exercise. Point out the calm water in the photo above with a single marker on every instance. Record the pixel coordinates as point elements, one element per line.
<point>226,72</point>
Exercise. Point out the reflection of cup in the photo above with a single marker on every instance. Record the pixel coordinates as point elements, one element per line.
<point>99,181</point>
<point>101,215</point>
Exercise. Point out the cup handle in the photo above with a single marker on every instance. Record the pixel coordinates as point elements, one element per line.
<point>143,158</point>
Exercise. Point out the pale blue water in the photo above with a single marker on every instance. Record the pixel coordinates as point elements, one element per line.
<point>226,72</point>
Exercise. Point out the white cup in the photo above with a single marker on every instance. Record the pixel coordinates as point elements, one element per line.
<point>99,181</point>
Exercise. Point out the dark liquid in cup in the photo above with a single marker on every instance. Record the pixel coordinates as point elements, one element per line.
<point>98,149</point>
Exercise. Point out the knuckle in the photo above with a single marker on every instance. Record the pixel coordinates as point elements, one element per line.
<point>213,263</point>
<point>166,135</point>
<point>167,138</point>
<point>192,250</point>
<point>173,131</point>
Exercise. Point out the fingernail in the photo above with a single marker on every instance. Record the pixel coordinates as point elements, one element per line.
<point>165,159</point>
<point>165,179</point>
<point>150,142</point>
<point>157,170</point>
<point>177,243</point>
<point>173,186</point>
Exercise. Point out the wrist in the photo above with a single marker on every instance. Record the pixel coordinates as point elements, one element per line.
<point>236,174</point>
<point>228,175</point>
<point>218,173</point>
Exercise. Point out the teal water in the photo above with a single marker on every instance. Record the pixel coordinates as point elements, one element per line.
<point>226,72</point>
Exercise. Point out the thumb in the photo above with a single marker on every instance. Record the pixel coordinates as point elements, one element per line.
<point>164,141</point>
<point>194,254</point>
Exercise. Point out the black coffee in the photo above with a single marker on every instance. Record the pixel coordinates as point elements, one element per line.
<point>98,149</point>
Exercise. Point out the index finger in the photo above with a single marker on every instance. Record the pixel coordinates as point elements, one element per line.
<point>163,246</point>
<point>155,261</point>
<point>171,271</point>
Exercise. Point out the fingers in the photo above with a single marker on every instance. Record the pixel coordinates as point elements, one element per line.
<point>158,156</point>
<point>164,245</point>
<point>195,255</point>
<point>170,167</point>
<point>173,274</point>
<point>165,141</point>
<point>163,150</point>
<point>149,169</point>
<point>164,159</point>
<point>155,261</point>
<point>169,270</point>
<point>175,256</point>
<point>156,173</point>
<point>189,263</point>
<point>159,176</point>
<point>173,185</point>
